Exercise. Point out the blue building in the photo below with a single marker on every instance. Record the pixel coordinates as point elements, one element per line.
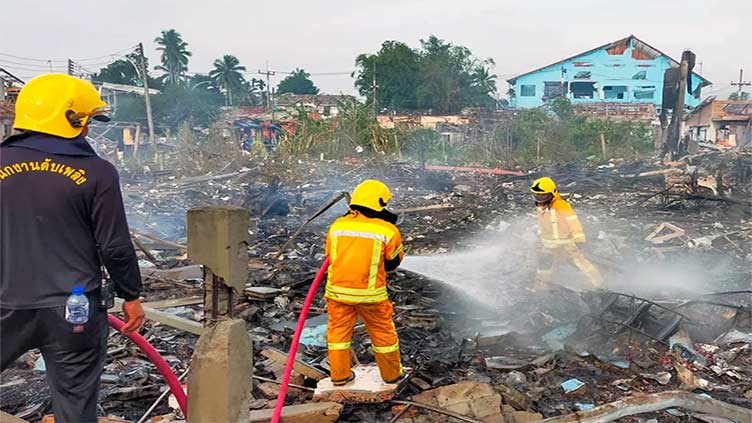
<point>627,70</point>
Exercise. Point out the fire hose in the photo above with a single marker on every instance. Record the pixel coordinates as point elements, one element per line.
<point>157,360</point>
<point>295,339</point>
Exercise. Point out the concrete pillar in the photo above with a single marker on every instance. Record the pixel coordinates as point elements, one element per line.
<point>219,384</point>
<point>218,239</point>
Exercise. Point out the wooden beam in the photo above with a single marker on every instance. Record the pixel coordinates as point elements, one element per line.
<point>299,366</point>
<point>177,302</point>
<point>168,319</point>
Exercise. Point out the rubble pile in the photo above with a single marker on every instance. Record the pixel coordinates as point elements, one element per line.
<point>504,353</point>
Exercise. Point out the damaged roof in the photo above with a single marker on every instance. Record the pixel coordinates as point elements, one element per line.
<point>615,44</point>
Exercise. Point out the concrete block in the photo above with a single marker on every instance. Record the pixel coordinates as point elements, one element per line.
<point>368,387</point>
<point>219,384</point>
<point>218,239</point>
<point>312,412</point>
<point>469,398</point>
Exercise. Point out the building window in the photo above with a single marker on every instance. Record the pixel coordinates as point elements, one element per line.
<point>615,92</point>
<point>583,89</point>
<point>640,75</point>
<point>327,110</point>
<point>702,135</point>
<point>644,93</point>
<point>583,75</point>
<point>553,89</point>
<point>527,90</point>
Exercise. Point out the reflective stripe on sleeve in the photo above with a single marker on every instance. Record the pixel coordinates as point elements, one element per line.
<point>396,252</point>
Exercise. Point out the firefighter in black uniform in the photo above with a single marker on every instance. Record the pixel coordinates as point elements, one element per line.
<point>62,219</point>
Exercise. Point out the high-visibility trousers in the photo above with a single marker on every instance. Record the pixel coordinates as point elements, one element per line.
<point>380,327</point>
<point>549,260</point>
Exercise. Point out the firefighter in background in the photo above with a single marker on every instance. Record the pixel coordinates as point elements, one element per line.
<point>560,231</point>
<point>362,246</point>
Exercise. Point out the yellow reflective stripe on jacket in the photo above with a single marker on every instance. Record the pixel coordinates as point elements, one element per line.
<point>338,345</point>
<point>356,291</point>
<point>551,243</point>
<point>387,349</point>
<point>396,252</point>
<point>358,234</point>
<point>356,295</point>
<point>363,227</point>
<point>375,261</point>
<point>554,224</point>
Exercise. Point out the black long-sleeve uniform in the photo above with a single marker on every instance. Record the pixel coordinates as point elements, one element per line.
<point>59,202</point>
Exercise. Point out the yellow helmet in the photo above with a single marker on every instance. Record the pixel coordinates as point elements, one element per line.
<point>371,194</point>
<point>543,185</point>
<point>59,105</point>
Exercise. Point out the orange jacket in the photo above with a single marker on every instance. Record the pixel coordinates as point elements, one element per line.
<point>359,247</point>
<point>558,224</point>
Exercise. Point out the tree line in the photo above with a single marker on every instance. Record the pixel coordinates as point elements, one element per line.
<point>437,77</point>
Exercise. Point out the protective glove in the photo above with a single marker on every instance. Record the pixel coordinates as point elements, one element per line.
<point>134,316</point>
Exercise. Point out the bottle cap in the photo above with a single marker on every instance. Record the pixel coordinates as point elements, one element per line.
<point>78,290</point>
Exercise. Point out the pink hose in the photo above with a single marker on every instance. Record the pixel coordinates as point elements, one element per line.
<point>157,360</point>
<point>295,339</point>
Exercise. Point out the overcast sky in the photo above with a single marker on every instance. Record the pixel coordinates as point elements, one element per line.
<point>326,36</point>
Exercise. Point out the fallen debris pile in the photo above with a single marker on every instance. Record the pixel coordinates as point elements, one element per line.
<point>492,352</point>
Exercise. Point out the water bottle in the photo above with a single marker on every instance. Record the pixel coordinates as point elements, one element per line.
<point>77,307</point>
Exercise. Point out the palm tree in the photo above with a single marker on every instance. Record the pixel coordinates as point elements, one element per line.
<point>228,75</point>
<point>484,80</point>
<point>175,55</point>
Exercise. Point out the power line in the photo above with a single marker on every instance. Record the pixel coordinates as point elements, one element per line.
<point>45,66</point>
<point>31,59</point>
<point>83,60</point>
<point>50,68</point>
<point>129,49</point>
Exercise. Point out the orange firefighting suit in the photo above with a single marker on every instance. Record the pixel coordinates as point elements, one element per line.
<point>361,249</point>
<point>560,231</point>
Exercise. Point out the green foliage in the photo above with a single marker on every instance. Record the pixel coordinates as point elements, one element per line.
<point>228,74</point>
<point>298,82</point>
<point>397,69</point>
<point>354,129</point>
<point>440,77</point>
<point>124,72</point>
<point>562,136</point>
<point>118,72</point>
<point>178,103</point>
<point>175,56</point>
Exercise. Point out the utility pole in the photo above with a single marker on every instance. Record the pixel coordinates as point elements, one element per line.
<point>71,67</point>
<point>147,100</point>
<point>268,74</point>
<point>741,82</point>
<point>373,86</point>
